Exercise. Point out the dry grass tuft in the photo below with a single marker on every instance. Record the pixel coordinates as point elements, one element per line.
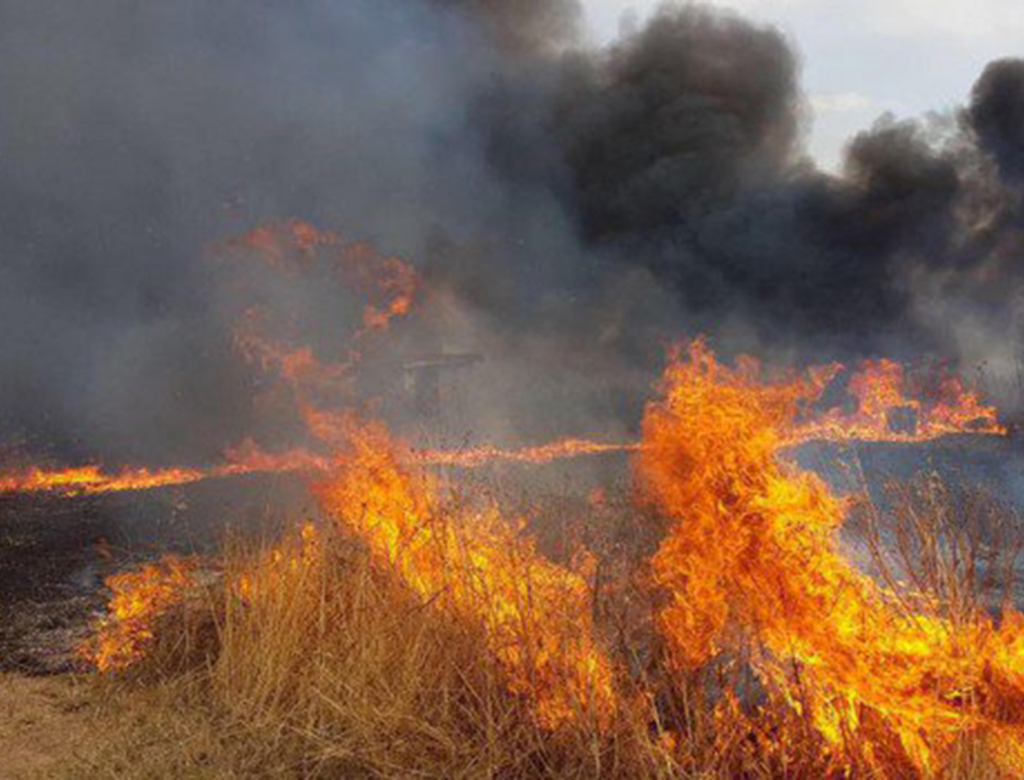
<point>307,658</point>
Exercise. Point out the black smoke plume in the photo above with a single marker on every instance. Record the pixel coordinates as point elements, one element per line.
<point>572,209</point>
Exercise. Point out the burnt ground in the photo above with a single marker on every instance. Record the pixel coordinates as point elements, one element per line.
<point>994,464</point>
<point>55,552</point>
<point>51,569</point>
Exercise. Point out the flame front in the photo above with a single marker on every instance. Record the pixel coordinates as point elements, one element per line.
<point>138,599</point>
<point>476,457</point>
<point>93,479</point>
<point>880,389</point>
<point>244,459</point>
<point>753,561</point>
<point>752,567</point>
<point>249,458</point>
<point>535,615</point>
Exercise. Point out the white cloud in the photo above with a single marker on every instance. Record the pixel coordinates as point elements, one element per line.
<point>967,22</point>
<point>840,102</point>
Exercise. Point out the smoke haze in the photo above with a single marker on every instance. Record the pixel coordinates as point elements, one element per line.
<point>571,210</point>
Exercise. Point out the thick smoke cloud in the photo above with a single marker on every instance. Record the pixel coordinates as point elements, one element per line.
<point>675,121</point>
<point>997,115</point>
<point>679,151</point>
<point>572,210</point>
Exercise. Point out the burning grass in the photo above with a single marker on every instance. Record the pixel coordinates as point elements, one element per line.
<point>311,657</point>
<point>312,654</point>
<point>419,633</point>
<point>753,562</point>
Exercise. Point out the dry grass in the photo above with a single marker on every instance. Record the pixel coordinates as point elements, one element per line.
<point>304,659</point>
<point>322,665</point>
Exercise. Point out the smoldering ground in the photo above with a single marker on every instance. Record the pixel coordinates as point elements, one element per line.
<point>572,209</point>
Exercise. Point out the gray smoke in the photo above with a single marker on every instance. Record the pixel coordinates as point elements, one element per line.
<point>573,210</point>
<point>524,27</point>
<point>997,115</point>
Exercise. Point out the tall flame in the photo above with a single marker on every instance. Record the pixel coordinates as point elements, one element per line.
<point>753,560</point>
<point>535,615</point>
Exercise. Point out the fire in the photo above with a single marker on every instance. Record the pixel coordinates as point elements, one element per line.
<point>249,458</point>
<point>294,247</point>
<point>752,565</point>
<point>880,389</point>
<point>298,367</point>
<point>958,408</point>
<point>92,480</point>
<point>477,457</point>
<point>274,569</point>
<point>753,561</point>
<point>138,600</point>
<point>290,247</point>
<point>534,614</point>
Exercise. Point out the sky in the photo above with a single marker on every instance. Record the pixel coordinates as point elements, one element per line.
<point>863,58</point>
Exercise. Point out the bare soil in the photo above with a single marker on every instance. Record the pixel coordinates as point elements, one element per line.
<point>45,722</point>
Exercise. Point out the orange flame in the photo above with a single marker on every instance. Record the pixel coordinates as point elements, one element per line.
<point>477,457</point>
<point>880,389</point>
<point>295,247</point>
<point>138,600</point>
<point>535,615</point>
<point>249,458</point>
<point>275,569</point>
<point>246,458</point>
<point>753,561</point>
<point>92,479</point>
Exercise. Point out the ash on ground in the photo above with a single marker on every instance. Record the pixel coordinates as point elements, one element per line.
<point>56,551</point>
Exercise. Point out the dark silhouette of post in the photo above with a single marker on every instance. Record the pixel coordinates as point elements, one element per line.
<point>423,378</point>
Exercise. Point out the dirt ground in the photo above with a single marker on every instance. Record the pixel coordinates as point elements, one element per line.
<point>74,727</point>
<point>44,723</point>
